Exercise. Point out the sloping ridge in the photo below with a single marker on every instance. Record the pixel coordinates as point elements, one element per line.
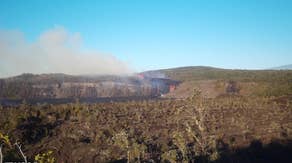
<point>284,67</point>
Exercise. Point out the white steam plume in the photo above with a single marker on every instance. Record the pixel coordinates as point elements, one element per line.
<point>55,51</point>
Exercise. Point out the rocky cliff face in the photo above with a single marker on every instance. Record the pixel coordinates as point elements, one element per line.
<point>97,89</point>
<point>64,86</point>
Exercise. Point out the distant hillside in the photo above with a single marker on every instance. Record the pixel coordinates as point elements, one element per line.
<point>210,73</point>
<point>285,67</point>
<point>211,82</point>
<point>214,82</point>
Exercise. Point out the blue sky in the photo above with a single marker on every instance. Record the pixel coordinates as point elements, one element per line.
<point>153,34</point>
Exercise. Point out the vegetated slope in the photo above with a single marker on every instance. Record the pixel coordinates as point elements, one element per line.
<point>226,129</point>
<point>214,82</point>
<point>285,67</point>
<point>226,116</point>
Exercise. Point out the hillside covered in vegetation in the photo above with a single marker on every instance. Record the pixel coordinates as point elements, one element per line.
<point>214,82</point>
<point>213,115</point>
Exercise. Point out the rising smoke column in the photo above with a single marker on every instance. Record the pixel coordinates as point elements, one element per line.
<point>55,51</point>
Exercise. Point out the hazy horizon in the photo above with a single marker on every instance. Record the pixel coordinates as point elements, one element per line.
<point>122,37</point>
